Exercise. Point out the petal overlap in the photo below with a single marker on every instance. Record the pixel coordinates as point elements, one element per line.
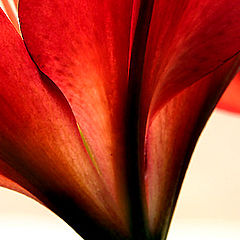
<point>83,46</point>
<point>171,138</point>
<point>40,140</point>
<point>187,40</point>
<point>103,105</point>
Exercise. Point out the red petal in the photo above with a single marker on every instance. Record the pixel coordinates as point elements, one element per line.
<point>83,46</point>
<point>134,18</point>
<point>171,138</point>
<point>39,140</point>
<point>187,40</point>
<point>11,179</point>
<point>230,100</point>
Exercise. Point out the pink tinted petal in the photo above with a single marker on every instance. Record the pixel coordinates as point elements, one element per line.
<point>230,100</point>
<point>40,141</point>
<point>187,40</point>
<point>83,46</point>
<point>171,138</point>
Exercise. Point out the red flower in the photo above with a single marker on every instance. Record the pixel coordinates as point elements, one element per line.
<point>101,113</point>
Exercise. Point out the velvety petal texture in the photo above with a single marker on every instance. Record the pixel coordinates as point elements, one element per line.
<point>40,140</point>
<point>83,46</point>
<point>230,100</point>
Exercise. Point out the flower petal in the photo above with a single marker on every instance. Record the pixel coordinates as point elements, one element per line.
<point>39,140</point>
<point>10,179</point>
<point>187,40</point>
<point>183,64</point>
<point>134,18</point>
<point>83,46</point>
<point>230,100</point>
<point>171,138</point>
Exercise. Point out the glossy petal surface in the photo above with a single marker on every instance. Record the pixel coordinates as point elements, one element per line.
<point>83,46</point>
<point>40,141</point>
